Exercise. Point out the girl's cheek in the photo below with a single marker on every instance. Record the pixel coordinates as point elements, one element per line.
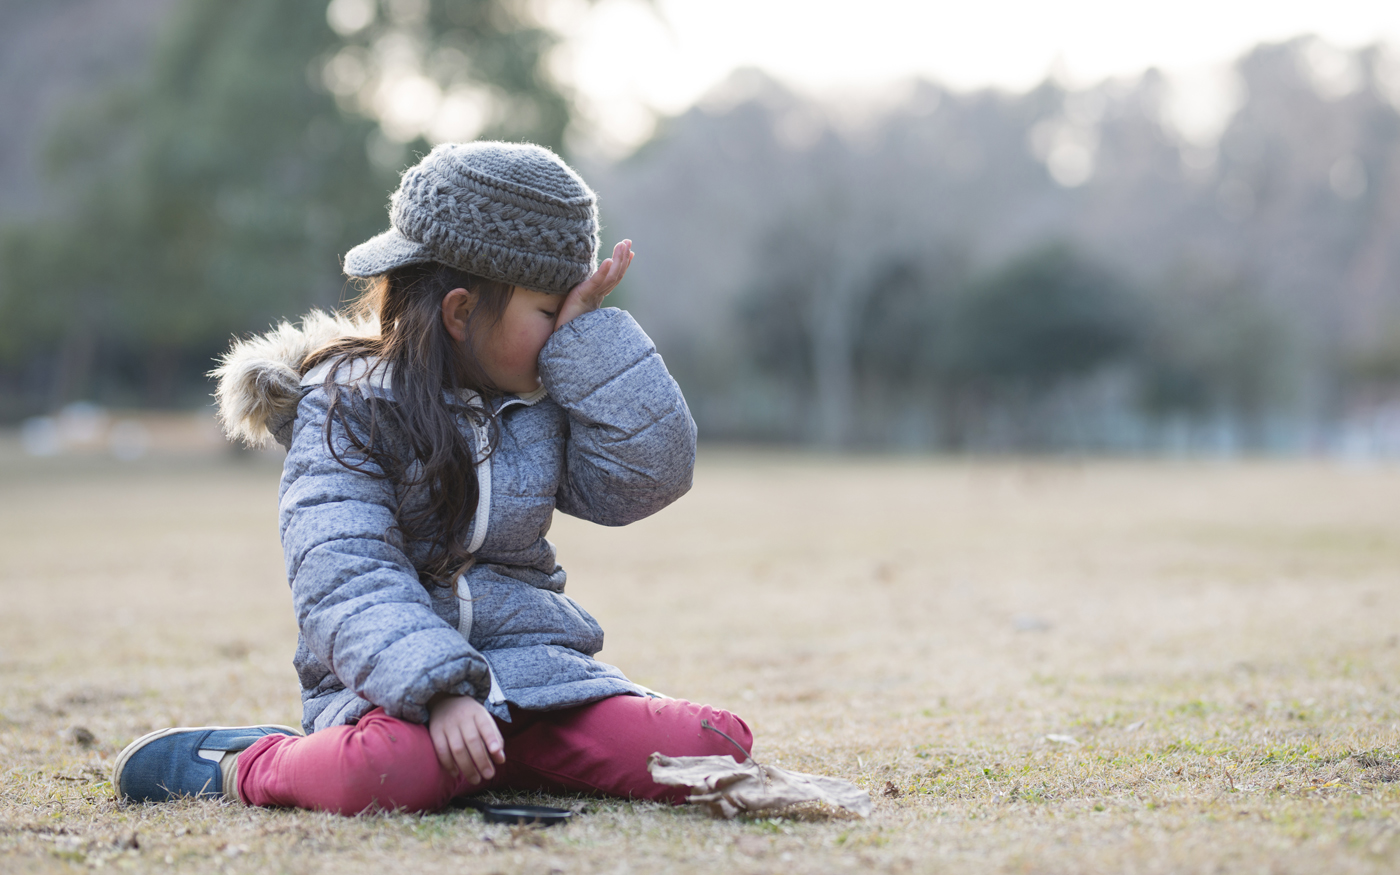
<point>542,336</point>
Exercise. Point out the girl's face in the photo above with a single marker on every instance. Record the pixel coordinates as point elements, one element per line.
<point>509,351</point>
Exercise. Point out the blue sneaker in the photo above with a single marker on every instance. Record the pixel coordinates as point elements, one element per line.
<point>196,761</point>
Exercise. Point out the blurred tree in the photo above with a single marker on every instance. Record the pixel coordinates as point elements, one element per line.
<point>899,341</point>
<point>1048,315</point>
<point>215,195</point>
<point>1017,335</point>
<point>802,316</point>
<point>1378,365</point>
<point>1216,349</point>
<point>798,316</point>
<point>445,70</point>
<point>918,330</point>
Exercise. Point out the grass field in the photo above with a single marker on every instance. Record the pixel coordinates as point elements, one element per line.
<point>1032,666</point>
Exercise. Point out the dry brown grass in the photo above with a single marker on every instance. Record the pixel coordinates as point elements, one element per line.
<point>1218,643</point>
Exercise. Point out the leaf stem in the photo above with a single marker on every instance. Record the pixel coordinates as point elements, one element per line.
<point>705,724</point>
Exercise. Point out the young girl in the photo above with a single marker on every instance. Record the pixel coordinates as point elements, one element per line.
<point>476,387</point>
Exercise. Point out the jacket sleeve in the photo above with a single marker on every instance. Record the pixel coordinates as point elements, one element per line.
<point>631,444</point>
<point>359,604</point>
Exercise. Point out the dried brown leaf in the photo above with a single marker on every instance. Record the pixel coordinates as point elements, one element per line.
<point>727,787</point>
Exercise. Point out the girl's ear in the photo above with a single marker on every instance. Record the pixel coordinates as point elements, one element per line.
<point>457,305</point>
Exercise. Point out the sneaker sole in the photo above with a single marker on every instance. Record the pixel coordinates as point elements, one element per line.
<point>131,749</point>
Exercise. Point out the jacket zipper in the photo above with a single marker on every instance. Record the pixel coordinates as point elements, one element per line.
<point>483,519</point>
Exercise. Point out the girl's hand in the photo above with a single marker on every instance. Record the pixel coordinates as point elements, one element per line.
<point>465,737</point>
<point>588,295</point>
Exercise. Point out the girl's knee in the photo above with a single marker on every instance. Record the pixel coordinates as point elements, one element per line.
<point>385,763</point>
<point>699,730</point>
<point>732,725</point>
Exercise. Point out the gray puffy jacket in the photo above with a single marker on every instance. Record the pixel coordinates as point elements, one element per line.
<point>607,438</point>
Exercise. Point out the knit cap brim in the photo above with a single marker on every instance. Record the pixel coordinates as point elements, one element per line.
<point>384,252</point>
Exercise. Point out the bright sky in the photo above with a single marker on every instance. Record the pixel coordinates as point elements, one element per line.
<point>629,61</point>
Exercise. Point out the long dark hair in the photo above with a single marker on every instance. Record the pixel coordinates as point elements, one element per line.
<point>416,440</point>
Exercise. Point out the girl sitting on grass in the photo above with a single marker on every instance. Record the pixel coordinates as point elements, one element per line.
<point>475,387</point>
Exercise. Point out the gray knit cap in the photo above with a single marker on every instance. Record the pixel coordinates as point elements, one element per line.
<point>511,212</point>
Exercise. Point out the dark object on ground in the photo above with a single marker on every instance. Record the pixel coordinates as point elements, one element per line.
<point>81,736</point>
<point>521,815</point>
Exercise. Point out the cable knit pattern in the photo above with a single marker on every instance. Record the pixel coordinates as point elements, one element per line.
<point>512,212</point>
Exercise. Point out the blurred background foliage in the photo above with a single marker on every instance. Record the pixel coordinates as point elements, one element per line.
<point>1054,270</point>
<point>212,189</point>
<point>1060,269</point>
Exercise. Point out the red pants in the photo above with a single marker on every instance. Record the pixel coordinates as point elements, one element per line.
<point>385,763</point>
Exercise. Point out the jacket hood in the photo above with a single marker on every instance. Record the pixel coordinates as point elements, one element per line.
<point>259,378</point>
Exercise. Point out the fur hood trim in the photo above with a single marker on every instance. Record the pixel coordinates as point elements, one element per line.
<point>260,377</point>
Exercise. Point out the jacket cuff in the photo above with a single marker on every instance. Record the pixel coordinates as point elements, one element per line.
<point>590,351</point>
<point>468,676</point>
